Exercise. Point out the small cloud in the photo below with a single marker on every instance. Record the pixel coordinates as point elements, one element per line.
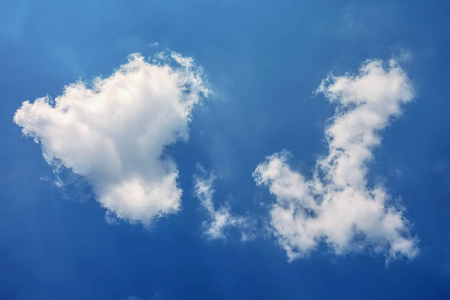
<point>401,55</point>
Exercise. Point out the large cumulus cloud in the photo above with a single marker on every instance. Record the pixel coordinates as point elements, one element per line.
<point>113,132</point>
<point>336,206</point>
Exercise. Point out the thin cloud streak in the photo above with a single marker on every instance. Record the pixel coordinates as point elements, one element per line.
<point>221,219</point>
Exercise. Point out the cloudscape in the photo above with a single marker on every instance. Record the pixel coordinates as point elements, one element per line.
<point>224,150</point>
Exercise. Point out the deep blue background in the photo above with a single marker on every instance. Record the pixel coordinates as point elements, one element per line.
<point>263,59</point>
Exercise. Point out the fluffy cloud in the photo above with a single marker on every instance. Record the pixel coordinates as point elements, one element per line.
<point>220,219</point>
<point>336,206</point>
<point>114,131</point>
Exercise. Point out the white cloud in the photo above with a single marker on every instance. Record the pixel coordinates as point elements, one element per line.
<point>114,132</point>
<point>336,206</point>
<point>221,219</point>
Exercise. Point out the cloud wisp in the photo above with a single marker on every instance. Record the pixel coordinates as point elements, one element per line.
<point>336,206</point>
<point>220,220</point>
<point>113,132</point>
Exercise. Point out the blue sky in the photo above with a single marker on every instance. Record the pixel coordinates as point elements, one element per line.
<point>201,168</point>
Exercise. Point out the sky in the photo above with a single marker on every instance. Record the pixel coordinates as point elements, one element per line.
<point>234,150</point>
